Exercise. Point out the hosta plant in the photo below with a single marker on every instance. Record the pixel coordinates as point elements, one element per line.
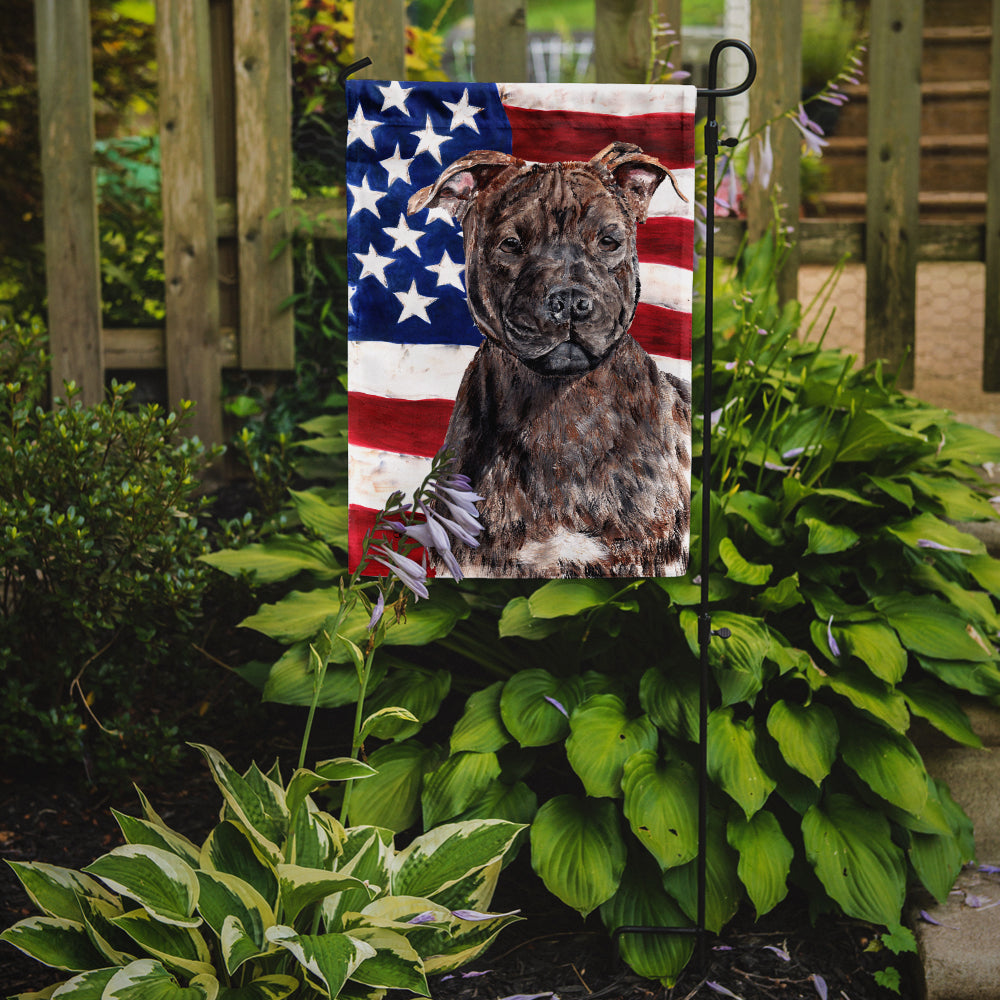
<point>279,900</point>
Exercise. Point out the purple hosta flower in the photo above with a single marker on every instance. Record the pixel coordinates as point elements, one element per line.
<point>927,543</point>
<point>990,869</point>
<point>377,611</point>
<point>719,988</point>
<point>780,952</point>
<point>433,537</point>
<point>834,648</point>
<point>475,915</point>
<point>465,975</point>
<point>761,163</point>
<point>927,918</point>
<point>427,917</point>
<point>820,983</point>
<point>531,996</point>
<point>812,134</point>
<point>559,705</point>
<point>728,194</point>
<point>411,574</point>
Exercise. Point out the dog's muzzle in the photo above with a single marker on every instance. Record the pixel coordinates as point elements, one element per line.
<point>566,307</point>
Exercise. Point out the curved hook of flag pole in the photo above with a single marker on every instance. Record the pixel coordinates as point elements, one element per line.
<point>352,68</point>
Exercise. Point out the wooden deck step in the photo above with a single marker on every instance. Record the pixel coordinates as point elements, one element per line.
<point>945,103</point>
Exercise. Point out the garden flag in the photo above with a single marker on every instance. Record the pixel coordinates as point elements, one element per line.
<point>519,283</point>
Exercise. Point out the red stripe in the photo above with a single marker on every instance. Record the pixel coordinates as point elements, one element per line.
<point>361,520</point>
<point>547,136</point>
<point>403,426</point>
<point>666,239</point>
<point>663,331</point>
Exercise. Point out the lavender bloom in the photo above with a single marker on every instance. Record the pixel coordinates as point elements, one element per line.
<point>411,574</point>
<point>377,611</point>
<point>475,915</point>
<point>927,543</point>
<point>820,983</point>
<point>761,164</point>
<point>834,648</point>
<point>426,917</point>
<point>432,536</point>
<point>558,705</point>
<point>811,132</point>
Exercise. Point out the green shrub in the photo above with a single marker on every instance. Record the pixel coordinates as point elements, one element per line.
<point>280,899</point>
<point>99,546</point>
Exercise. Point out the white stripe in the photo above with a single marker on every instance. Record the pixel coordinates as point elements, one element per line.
<point>373,475</point>
<point>406,371</point>
<point>674,366</point>
<point>665,200</point>
<point>665,285</point>
<point>609,99</point>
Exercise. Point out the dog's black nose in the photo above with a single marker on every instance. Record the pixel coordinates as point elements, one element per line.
<point>570,304</point>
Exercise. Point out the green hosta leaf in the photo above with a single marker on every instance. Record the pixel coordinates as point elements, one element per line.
<point>147,979</point>
<point>141,831</point>
<point>870,436</point>
<point>54,941</point>
<point>516,803</point>
<point>941,709</point>
<point>225,897</point>
<point>738,661</point>
<point>758,511</point>
<point>301,887</point>
<point>865,692</point>
<point>976,605</point>
<point>292,681</point>
<point>230,849</point>
<point>180,948</point>
<point>395,964</point>
<point>279,558</point>
<point>976,678</point>
<point>159,881</point>
<point>732,760</point>
<point>386,723</point>
<point>327,520</point>
<point>965,443</point>
<point>738,569</point>
<point>641,901</point>
<point>661,798</point>
<point>456,784</point>
<point>481,728</point>
<point>723,889</point>
<point>876,646</point>
<point>443,856</point>
<point>517,620</point>
<point>559,598</point>
<point>578,851</point>
<point>765,858</point>
<point>391,798</point>
<point>807,736</point>
<point>931,628</point>
<point>671,699</point>
<point>986,571</point>
<point>602,738</point>
<point>888,763</point>
<point>275,987</point>
<point>827,539</point>
<point>56,891</point>
<point>893,488</point>
<point>415,689</point>
<point>330,959</point>
<point>304,782</point>
<point>527,711</point>
<point>928,528</point>
<point>260,809</point>
<point>937,859</point>
<point>957,501</point>
<point>850,847</point>
<point>783,595</point>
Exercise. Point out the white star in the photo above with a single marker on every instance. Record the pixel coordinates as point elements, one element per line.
<point>440,213</point>
<point>414,304</point>
<point>403,236</point>
<point>374,264</point>
<point>397,167</point>
<point>430,141</point>
<point>360,128</point>
<point>448,272</point>
<point>395,97</point>
<point>364,197</point>
<point>463,113</point>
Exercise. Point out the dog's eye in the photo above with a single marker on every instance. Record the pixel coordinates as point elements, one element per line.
<point>609,243</point>
<point>511,245</point>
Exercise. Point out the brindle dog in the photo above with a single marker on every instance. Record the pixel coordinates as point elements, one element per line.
<point>579,444</point>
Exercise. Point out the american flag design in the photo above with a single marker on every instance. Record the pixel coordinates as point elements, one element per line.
<point>410,333</point>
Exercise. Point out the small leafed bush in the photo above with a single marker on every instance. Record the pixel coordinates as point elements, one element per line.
<point>280,899</point>
<point>99,574</point>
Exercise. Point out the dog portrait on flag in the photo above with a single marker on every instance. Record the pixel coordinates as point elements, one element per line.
<point>520,279</point>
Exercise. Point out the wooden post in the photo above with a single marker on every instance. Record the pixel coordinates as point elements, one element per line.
<point>991,333</point>
<point>776,35</point>
<point>190,254</point>
<point>261,56</point>
<point>622,40</point>
<point>893,183</point>
<point>667,14</point>
<point>380,34</point>
<point>501,41</point>
<point>72,255</point>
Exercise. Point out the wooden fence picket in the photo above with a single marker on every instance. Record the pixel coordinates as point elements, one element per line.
<point>991,331</point>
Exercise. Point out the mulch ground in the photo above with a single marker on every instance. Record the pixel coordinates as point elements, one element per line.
<point>551,953</point>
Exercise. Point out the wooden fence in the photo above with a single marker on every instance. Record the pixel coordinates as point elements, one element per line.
<point>226,160</point>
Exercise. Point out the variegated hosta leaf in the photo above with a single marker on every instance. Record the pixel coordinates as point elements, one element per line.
<point>765,858</point>
<point>807,736</point>
<point>315,838</point>
<point>367,853</point>
<point>850,847</point>
<point>147,979</point>
<point>661,799</point>
<point>300,887</point>
<point>481,727</point>
<point>177,947</point>
<point>56,891</point>
<point>230,849</point>
<point>304,782</point>
<point>467,940</point>
<point>475,891</point>
<point>578,851</point>
<point>395,964</point>
<point>225,897</point>
<point>732,760</point>
<point>456,784</point>
<point>328,959</point>
<point>274,987</point>
<point>642,902</point>
<point>160,882</point>
<point>54,941</point>
<point>602,737</point>
<point>141,831</point>
<point>87,986</point>
<point>256,801</point>
<point>441,857</point>
<point>116,946</point>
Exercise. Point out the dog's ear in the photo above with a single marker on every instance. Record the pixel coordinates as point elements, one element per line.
<point>460,182</point>
<point>636,173</point>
